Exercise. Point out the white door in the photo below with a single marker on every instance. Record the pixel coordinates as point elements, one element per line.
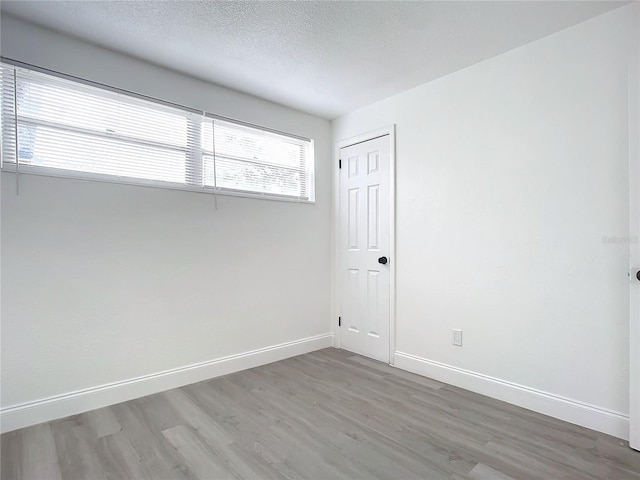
<point>364,243</point>
<point>634,254</point>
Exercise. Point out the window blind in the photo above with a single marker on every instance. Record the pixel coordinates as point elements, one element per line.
<point>7,114</point>
<point>69,127</point>
<point>248,159</point>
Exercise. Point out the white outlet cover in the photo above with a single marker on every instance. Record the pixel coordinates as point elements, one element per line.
<point>457,337</point>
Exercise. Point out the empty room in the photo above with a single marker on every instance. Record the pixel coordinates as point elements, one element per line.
<point>320,240</point>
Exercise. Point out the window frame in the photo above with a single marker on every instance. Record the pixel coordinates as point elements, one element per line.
<point>194,157</point>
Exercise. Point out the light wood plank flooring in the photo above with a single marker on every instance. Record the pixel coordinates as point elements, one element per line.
<point>325,415</point>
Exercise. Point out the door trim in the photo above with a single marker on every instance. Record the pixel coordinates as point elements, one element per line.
<point>335,300</point>
<point>634,254</point>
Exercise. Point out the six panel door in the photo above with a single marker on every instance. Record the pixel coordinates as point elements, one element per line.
<point>364,248</point>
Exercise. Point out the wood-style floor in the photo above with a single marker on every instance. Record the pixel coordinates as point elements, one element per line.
<point>324,415</point>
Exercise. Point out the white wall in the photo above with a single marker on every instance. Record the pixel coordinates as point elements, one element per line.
<point>509,175</point>
<point>103,283</point>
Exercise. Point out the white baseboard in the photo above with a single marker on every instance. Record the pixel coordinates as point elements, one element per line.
<point>573,411</point>
<point>59,406</point>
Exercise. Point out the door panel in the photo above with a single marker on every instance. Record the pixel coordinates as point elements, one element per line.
<point>364,238</point>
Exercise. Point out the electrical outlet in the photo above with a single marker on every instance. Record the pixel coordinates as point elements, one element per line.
<point>457,337</point>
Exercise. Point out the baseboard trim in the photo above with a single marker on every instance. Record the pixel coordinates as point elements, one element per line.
<point>59,406</point>
<point>573,411</point>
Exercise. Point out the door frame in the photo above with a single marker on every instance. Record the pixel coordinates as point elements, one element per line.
<point>335,255</point>
<point>634,256</point>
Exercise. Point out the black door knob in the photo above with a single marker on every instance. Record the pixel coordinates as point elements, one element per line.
<point>638,275</point>
<point>383,260</point>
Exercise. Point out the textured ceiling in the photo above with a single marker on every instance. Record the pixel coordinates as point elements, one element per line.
<point>326,58</point>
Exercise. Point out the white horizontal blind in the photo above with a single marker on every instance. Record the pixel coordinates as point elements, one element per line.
<point>253,160</point>
<point>7,112</point>
<point>73,127</point>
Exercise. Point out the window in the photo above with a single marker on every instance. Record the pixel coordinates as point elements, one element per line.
<point>61,127</point>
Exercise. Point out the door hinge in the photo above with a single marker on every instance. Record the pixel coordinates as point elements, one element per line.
<point>339,163</point>
<point>339,321</point>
